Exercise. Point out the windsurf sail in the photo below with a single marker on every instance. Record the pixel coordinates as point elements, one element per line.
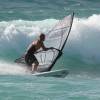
<point>56,38</point>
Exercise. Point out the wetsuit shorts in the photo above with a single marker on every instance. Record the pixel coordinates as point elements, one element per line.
<point>30,57</point>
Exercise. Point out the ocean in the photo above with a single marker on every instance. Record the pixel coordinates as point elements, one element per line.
<point>20,23</point>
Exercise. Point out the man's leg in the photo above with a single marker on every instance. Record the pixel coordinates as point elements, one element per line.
<point>35,64</point>
<point>28,59</point>
<point>34,67</point>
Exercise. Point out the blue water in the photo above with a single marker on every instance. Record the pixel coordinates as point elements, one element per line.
<point>20,23</point>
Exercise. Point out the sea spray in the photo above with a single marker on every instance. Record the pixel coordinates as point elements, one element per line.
<point>7,68</point>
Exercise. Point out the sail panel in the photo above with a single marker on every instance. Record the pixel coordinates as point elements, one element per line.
<point>59,32</point>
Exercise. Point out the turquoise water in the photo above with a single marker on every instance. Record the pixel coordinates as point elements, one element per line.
<point>33,88</point>
<point>20,23</point>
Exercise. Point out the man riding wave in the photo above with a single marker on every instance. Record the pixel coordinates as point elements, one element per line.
<point>30,58</point>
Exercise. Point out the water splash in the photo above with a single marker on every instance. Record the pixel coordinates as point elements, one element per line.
<point>13,69</point>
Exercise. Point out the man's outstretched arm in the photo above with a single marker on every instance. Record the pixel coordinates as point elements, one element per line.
<point>44,48</point>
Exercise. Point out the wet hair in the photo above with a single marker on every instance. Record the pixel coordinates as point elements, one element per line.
<point>42,36</point>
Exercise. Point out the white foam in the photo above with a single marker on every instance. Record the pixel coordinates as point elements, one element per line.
<point>16,35</point>
<point>85,37</point>
<point>12,69</point>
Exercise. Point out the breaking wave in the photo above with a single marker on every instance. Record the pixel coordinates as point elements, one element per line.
<point>83,43</point>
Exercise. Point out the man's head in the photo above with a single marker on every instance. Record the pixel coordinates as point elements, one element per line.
<point>42,37</point>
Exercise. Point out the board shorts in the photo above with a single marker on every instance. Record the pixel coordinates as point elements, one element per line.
<point>30,59</point>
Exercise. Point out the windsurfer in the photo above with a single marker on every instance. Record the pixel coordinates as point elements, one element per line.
<point>30,58</point>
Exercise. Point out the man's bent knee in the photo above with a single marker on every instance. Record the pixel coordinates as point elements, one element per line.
<point>35,63</point>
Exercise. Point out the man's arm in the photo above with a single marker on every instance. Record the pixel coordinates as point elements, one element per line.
<point>43,47</point>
